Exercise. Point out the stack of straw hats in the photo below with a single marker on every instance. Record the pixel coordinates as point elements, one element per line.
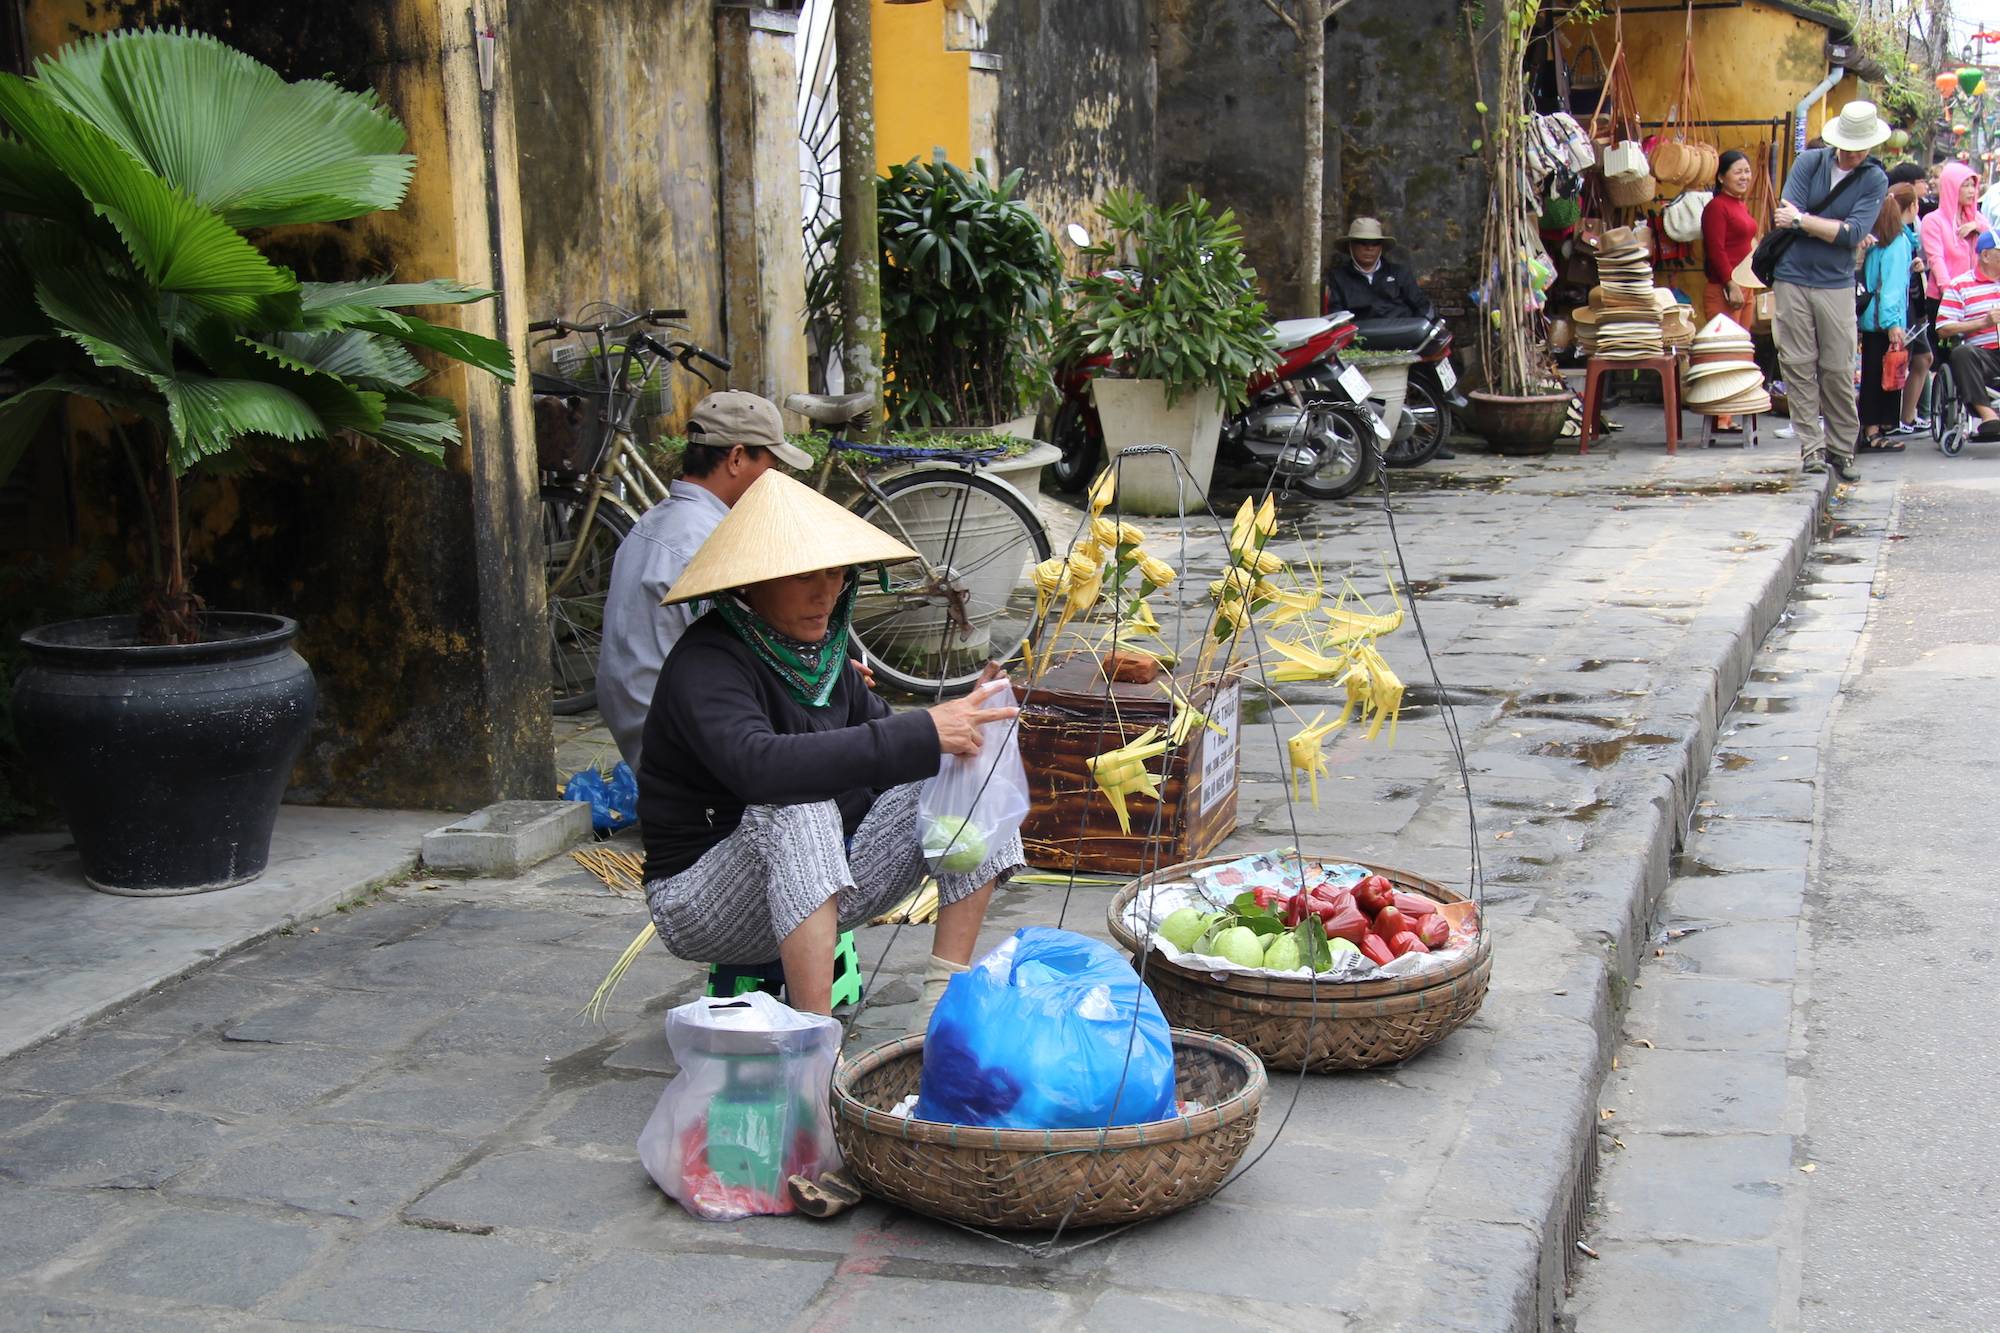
<point>1627,308</point>
<point>1722,378</point>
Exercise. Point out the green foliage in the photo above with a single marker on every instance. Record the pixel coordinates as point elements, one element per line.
<point>968,278</point>
<point>1171,297</point>
<point>139,159</point>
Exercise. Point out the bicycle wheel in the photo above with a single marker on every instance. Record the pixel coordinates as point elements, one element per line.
<point>576,607</point>
<point>1349,455</point>
<point>1429,420</point>
<point>969,598</point>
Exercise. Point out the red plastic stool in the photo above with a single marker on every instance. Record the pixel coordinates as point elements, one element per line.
<point>1666,366</point>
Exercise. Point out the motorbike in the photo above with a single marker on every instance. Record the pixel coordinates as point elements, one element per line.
<point>1433,401</point>
<point>1308,421</point>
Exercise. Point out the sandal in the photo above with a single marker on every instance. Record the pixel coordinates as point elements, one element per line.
<point>828,1196</point>
<point>1879,445</point>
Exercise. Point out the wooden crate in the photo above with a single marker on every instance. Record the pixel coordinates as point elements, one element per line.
<point>1069,718</point>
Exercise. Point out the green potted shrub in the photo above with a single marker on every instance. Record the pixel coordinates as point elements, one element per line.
<point>969,276</point>
<point>968,283</point>
<point>128,275</point>
<point>1170,298</point>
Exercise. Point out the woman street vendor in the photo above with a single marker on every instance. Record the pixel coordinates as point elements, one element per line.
<point>777,794</point>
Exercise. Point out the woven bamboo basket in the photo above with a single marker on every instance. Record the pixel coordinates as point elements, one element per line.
<point>1631,191</point>
<point>1323,1026</point>
<point>1030,1179</point>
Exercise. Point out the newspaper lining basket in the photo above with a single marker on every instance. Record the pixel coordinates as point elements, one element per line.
<point>1323,1026</point>
<point>1029,1179</point>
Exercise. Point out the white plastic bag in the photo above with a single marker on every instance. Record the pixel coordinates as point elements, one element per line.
<point>975,800</point>
<point>747,1109</point>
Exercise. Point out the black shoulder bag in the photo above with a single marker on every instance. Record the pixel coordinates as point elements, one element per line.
<point>1764,259</point>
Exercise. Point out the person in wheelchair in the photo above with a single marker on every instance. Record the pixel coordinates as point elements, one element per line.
<point>777,793</point>
<point>1970,312</point>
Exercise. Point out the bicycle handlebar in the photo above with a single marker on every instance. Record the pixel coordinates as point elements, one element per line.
<point>657,315</point>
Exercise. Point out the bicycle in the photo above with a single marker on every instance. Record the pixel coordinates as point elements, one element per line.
<point>929,626</point>
<point>595,482</point>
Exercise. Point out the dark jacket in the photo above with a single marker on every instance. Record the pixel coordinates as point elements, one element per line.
<point>722,734</point>
<point>1393,294</point>
<point>1809,261</point>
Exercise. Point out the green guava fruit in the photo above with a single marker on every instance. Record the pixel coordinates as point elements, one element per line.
<point>966,847</point>
<point>1241,946</point>
<point>1338,946</point>
<point>1282,953</point>
<point>1183,927</point>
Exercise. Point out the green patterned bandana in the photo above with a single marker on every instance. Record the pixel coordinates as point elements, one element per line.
<point>807,670</point>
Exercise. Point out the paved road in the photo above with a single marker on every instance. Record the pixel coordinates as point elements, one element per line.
<point>398,1119</point>
<point>1799,1133</point>
<point>1900,1075</point>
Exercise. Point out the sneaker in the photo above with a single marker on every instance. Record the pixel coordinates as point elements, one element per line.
<point>1903,429</point>
<point>1813,465</point>
<point>1844,468</point>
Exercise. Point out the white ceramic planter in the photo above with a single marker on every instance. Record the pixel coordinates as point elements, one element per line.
<point>1136,412</point>
<point>1388,384</point>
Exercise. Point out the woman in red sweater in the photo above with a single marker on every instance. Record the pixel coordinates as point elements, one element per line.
<point>1728,233</point>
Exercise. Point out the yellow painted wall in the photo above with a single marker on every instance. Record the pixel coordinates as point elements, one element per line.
<point>923,98</point>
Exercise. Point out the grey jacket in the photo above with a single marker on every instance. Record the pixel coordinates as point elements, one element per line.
<point>638,631</point>
<point>1809,261</point>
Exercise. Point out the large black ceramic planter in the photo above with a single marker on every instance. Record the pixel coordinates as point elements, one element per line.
<point>168,762</point>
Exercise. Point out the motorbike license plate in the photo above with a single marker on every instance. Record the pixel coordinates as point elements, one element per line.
<point>1447,376</point>
<point>1355,383</point>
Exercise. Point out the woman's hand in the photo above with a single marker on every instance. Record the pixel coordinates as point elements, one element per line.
<point>1968,229</point>
<point>958,720</point>
<point>1732,293</point>
<point>1896,337</point>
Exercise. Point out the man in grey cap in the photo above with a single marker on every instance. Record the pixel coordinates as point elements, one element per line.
<point>733,438</point>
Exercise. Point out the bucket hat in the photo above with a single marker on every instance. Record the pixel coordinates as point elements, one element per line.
<point>732,416</point>
<point>1858,127</point>
<point>778,528</point>
<point>1367,229</point>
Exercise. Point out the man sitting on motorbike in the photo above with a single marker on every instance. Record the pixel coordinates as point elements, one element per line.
<point>1367,283</point>
<point>1370,285</point>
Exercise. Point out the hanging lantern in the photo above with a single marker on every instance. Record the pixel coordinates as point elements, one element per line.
<point>1947,84</point>
<point>1969,80</point>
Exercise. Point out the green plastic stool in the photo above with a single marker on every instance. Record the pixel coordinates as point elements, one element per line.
<point>729,980</point>
<point>846,971</point>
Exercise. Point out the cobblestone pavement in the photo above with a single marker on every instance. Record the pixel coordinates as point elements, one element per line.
<point>397,1119</point>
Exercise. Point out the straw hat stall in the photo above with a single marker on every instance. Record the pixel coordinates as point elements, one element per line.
<point>1722,377</point>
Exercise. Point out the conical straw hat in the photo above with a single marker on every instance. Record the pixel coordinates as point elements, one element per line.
<point>1746,277</point>
<point>779,528</point>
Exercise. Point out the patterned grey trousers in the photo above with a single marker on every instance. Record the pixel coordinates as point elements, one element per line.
<point>753,888</point>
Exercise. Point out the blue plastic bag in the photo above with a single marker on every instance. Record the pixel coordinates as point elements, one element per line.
<point>614,801</point>
<point>1035,1037</point>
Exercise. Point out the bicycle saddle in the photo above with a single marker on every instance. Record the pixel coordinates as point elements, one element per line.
<point>845,409</point>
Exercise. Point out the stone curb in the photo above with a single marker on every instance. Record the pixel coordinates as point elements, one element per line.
<point>1511,1274</point>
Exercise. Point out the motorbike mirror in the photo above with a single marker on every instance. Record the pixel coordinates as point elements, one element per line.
<point>1077,235</point>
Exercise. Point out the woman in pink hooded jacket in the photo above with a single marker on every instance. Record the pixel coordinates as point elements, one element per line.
<point>1949,232</point>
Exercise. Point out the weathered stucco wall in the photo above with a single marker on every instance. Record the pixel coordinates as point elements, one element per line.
<point>615,108</point>
<point>417,590</point>
<point>1398,142</point>
<point>1076,101</point>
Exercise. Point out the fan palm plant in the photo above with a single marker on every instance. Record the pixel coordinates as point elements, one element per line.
<point>135,165</point>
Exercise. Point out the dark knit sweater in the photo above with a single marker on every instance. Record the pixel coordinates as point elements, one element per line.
<point>723,734</point>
